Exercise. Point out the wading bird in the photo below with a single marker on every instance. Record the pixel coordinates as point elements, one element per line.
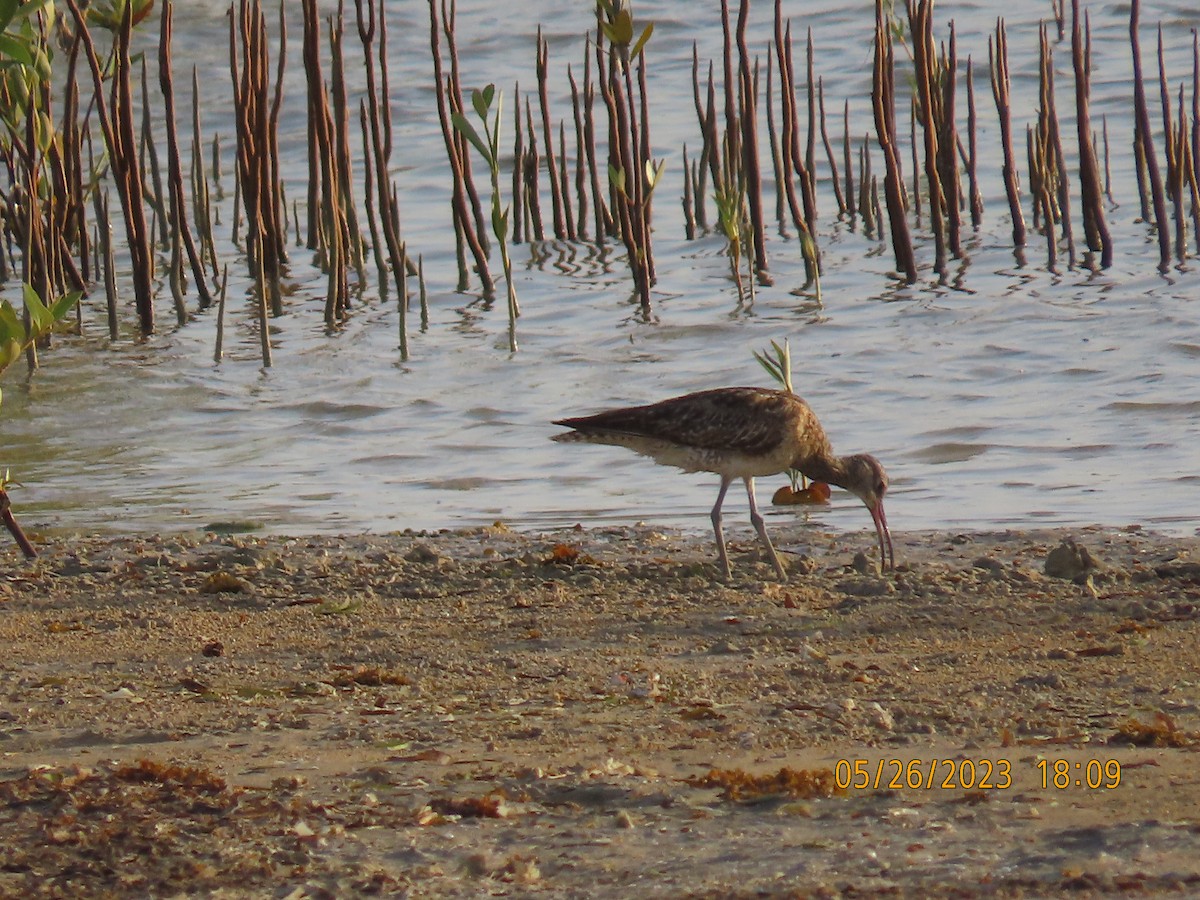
<point>740,432</point>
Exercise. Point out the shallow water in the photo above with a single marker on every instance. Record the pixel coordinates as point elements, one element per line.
<point>1007,396</point>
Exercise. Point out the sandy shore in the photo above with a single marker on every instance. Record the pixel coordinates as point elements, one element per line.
<point>492,713</point>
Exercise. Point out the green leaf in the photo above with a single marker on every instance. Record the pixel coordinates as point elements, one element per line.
<point>778,364</point>
<point>785,363</point>
<point>641,42</point>
<point>15,50</point>
<point>10,352</point>
<point>607,7</point>
<point>64,304</point>
<point>622,27</point>
<point>11,326</point>
<point>31,8</point>
<point>654,172</point>
<point>499,221</point>
<point>20,91</point>
<point>468,131</point>
<point>41,63</point>
<point>107,15</point>
<point>808,246</point>
<point>616,175</point>
<point>495,135</point>
<point>488,93</point>
<point>768,365</point>
<point>480,103</point>
<point>39,317</point>
<point>43,131</point>
<point>8,9</point>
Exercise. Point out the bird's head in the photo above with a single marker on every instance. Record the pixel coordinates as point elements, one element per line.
<point>867,480</point>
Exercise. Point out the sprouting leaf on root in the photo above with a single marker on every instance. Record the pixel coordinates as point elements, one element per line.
<point>480,103</point>
<point>654,172</point>
<point>468,131</point>
<point>641,41</point>
<point>500,220</point>
<point>616,174</point>
<point>778,364</point>
<point>622,28</point>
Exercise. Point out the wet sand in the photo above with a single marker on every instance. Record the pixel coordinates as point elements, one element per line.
<point>487,712</point>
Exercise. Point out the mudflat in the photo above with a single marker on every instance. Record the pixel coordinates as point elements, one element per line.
<point>592,713</point>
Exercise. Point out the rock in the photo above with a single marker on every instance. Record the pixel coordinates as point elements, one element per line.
<point>881,718</point>
<point>423,553</point>
<point>483,864</point>
<point>990,565</point>
<point>865,586</point>
<point>802,565</point>
<point>223,583</point>
<point>1072,562</point>
<point>724,647</point>
<point>1187,571</point>
<point>864,565</point>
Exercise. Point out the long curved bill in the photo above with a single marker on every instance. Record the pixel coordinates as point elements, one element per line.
<point>886,560</point>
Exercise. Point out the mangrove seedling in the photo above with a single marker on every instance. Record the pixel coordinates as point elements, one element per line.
<point>109,13</point>
<point>637,239</point>
<point>778,363</point>
<point>481,100</point>
<point>15,339</point>
<point>617,25</point>
<point>731,213</point>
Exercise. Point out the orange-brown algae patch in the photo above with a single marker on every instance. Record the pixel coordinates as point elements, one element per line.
<point>1162,732</point>
<point>816,493</point>
<point>796,784</point>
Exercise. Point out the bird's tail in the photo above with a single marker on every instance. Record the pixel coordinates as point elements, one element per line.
<point>570,437</point>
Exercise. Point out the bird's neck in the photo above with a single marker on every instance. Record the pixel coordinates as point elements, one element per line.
<point>825,467</point>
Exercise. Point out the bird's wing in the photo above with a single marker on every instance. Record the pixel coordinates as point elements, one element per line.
<point>742,420</point>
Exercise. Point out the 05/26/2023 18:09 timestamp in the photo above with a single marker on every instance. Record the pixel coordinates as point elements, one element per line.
<point>974,774</point>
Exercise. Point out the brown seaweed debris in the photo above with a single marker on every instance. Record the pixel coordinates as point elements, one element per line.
<point>367,676</point>
<point>188,778</point>
<point>568,555</point>
<point>143,828</point>
<point>795,784</point>
<point>489,806</point>
<point>1162,732</point>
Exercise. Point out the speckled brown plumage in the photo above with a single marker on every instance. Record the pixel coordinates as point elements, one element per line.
<point>738,432</point>
<point>753,422</point>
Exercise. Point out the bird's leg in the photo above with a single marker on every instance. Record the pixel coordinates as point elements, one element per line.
<point>760,526</point>
<point>716,520</point>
